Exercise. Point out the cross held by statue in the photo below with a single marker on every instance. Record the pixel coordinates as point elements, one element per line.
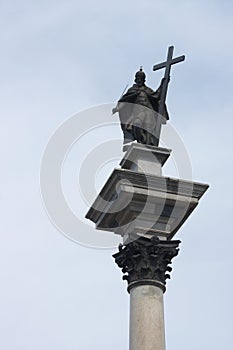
<point>167,65</point>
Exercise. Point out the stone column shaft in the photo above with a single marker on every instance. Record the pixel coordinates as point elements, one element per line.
<point>146,318</point>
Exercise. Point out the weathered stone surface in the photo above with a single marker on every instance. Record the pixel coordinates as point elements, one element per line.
<point>145,159</point>
<point>146,318</point>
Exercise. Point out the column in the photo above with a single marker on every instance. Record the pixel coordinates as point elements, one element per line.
<point>145,265</point>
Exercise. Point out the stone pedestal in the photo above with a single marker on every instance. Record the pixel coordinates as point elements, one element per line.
<point>145,159</point>
<point>136,199</point>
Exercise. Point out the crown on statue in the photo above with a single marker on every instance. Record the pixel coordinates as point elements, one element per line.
<point>140,73</point>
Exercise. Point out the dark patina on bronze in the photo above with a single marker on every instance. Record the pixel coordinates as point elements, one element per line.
<point>142,111</point>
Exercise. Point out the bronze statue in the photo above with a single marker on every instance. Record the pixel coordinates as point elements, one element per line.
<point>142,111</point>
<point>138,109</point>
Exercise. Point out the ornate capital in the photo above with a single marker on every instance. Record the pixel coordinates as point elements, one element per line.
<point>146,261</point>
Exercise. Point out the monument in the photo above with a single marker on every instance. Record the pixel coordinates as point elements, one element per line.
<point>145,207</point>
<point>143,110</point>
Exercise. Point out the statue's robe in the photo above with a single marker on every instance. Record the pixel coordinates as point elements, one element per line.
<point>138,109</point>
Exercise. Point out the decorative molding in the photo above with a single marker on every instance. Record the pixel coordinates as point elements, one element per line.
<point>126,194</point>
<point>146,261</point>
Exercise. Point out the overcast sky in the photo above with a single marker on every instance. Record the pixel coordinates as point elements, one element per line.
<point>59,58</point>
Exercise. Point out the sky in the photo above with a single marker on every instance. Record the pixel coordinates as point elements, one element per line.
<point>59,58</point>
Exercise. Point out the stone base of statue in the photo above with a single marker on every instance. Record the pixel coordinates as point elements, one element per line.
<point>137,200</point>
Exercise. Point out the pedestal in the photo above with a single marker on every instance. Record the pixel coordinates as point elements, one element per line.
<point>137,199</point>
<point>145,159</point>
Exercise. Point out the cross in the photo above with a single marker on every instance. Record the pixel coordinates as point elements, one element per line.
<point>167,65</point>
